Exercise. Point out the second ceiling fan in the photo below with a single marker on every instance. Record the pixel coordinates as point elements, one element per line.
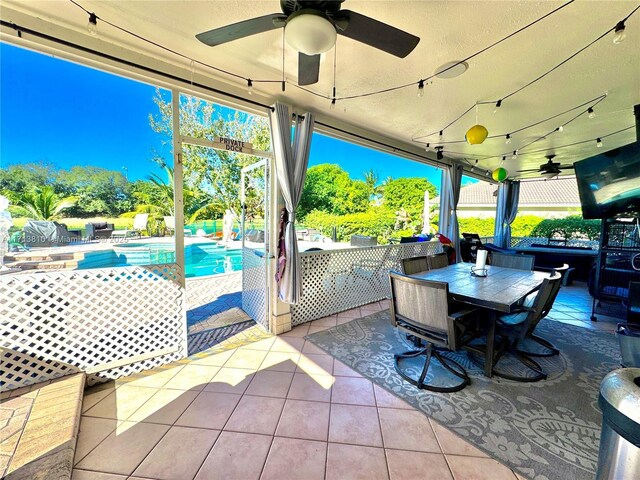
<point>311,27</point>
<point>550,169</point>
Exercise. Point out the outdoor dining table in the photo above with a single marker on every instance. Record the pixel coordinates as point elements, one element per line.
<point>501,291</point>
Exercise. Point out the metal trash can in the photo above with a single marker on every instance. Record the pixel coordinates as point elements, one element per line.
<point>619,400</point>
<point>629,339</point>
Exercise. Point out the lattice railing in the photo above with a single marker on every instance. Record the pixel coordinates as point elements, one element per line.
<point>337,280</point>
<point>60,322</point>
<point>528,241</point>
<point>254,289</point>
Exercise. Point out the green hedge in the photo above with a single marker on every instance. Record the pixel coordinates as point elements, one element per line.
<point>377,222</point>
<point>522,226</point>
<point>571,227</point>
<point>380,222</point>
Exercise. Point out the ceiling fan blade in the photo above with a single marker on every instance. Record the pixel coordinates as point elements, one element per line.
<point>530,170</point>
<point>375,34</point>
<point>246,28</point>
<point>567,167</point>
<point>308,69</point>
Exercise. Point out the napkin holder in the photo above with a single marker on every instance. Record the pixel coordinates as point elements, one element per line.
<point>479,272</point>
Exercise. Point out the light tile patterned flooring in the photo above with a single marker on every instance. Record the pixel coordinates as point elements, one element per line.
<point>259,406</point>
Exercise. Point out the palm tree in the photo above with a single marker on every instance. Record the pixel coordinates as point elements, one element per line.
<point>42,203</point>
<point>157,200</point>
<point>371,179</point>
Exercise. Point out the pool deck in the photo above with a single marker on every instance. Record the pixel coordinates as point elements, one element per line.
<point>67,257</point>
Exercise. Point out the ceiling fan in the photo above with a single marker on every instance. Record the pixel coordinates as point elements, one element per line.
<point>549,169</point>
<point>311,26</point>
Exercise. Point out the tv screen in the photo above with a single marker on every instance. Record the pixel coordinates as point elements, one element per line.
<point>609,183</point>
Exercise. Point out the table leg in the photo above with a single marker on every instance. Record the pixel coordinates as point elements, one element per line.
<point>491,333</point>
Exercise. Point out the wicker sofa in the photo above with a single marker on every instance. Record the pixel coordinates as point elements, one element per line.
<point>98,230</point>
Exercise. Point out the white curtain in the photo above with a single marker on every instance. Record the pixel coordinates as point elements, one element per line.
<point>291,159</point>
<point>506,211</point>
<point>449,196</point>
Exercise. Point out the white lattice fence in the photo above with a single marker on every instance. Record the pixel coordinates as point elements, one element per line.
<point>61,322</point>
<point>337,280</point>
<point>254,287</point>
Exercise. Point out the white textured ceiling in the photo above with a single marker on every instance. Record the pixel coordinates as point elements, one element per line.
<point>448,31</point>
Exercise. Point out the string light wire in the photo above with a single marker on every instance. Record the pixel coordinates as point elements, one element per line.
<point>531,125</point>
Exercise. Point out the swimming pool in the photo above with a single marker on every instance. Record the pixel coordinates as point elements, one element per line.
<point>200,258</point>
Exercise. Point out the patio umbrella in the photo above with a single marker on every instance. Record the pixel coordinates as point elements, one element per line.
<point>426,226</point>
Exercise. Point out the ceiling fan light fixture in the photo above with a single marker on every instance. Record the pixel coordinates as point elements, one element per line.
<point>550,173</point>
<point>310,33</point>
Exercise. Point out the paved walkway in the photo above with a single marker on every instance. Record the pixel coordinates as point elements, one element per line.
<point>214,310</point>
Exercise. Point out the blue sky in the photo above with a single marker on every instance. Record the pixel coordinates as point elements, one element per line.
<point>74,115</point>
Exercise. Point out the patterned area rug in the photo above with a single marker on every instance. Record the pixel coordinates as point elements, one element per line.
<point>544,430</point>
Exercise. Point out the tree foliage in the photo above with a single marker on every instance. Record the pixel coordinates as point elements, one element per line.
<point>41,203</point>
<point>408,194</point>
<point>215,171</point>
<point>572,227</point>
<point>329,188</point>
<point>97,191</point>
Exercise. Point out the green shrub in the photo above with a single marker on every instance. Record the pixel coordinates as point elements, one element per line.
<point>376,222</point>
<point>574,227</point>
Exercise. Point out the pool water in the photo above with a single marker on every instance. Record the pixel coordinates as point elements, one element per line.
<point>225,261</point>
<point>200,258</point>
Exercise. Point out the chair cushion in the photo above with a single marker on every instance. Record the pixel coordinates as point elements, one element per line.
<point>100,225</point>
<point>513,318</point>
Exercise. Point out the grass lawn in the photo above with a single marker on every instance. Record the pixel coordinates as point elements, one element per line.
<point>79,223</point>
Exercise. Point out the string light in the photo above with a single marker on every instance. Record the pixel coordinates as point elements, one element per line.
<point>474,165</point>
<point>249,87</point>
<point>498,105</point>
<point>591,112</point>
<point>599,142</point>
<point>426,147</point>
<point>503,159</point>
<point>421,88</point>
<point>439,154</point>
<point>619,30</point>
<point>333,104</point>
<point>284,85</point>
<point>619,33</point>
<point>561,128</point>
<point>92,25</point>
<point>507,139</point>
<point>515,154</point>
<point>441,133</point>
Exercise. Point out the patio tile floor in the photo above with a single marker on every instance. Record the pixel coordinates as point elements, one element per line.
<point>277,409</point>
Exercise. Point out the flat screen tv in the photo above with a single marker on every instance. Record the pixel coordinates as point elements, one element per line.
<point>609,183</point>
